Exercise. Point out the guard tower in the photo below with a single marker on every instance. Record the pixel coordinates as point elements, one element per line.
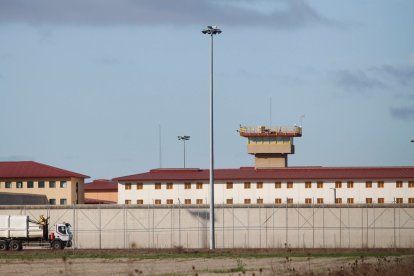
<point>270,145</point>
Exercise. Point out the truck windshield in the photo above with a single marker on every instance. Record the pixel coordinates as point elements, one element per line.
<point>69,228</point>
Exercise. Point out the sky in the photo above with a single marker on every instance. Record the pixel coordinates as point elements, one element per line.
<point>105,87</point>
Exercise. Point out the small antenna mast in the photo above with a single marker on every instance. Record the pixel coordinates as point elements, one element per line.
<point>159,144</point>
<point>270,111</point>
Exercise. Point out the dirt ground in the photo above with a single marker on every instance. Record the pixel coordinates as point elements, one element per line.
<point>403,265</point>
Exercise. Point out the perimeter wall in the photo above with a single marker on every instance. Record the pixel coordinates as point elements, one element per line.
<point>267,226</point>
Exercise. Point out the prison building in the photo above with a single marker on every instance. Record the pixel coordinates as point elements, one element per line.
<point>61,187</point>
<point>101,191</point>
<point>292,185</point>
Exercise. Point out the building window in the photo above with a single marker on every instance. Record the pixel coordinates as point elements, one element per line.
<point>290,200</point>
<point>350,184</point>
<point>368,184</point>
<point>289,185</point>
<point>199,201</point>
<point>157,201</point>
<point>229,185</point>
<point>380,200</point>
<point>63,201</point>
<point>247,201</point>
<point>157,186</point>
<point>338,200</point>
<point>338,184</point>
<point>319,185</point>
<point>63,184</point>
<point>229,201</point>
<point>41,184</point>
<point>139,201</point>
<point>368,200</point>
<point>399,184</point>
<point>169,186</point>
<point>259,201</point>
<point>410,184</point>
<point>308,200</point>
<point>399,200</point>
<point>170,201</point>
<point>19,185</point>
<point>127,201</point>
<point>380,184</point>
<point>8,185</point>
<point>278,185</point>
<point>308,185</point>
<point>140,186</point>
<point>30,185</point>
<point>52,201</point>
<point>247,185</point>
<point>319,200</point>
<point>187,201</point>
<point>350,200</point>
<point>128,186</point>
<point>52,184</point>
<point>199,186</point>
<point>187,186</point>
<point>278,201</point>
<point>259,185</point>
<point>411,200</point>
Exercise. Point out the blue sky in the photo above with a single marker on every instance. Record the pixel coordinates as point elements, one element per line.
<point>86,85</point>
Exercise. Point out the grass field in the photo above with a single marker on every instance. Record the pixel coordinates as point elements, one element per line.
<point>203,262</point>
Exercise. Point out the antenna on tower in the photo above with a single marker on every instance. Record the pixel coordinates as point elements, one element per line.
<point>301,119</point>
<point>159,145</point>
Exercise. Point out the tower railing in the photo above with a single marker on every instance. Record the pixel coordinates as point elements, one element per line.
<point>293,131</point>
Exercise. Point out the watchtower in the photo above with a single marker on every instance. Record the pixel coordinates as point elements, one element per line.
<point>270,145</point>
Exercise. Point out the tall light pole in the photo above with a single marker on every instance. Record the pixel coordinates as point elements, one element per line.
<point>211,30</point>
<point>184,138</point>
<point>334,189</point>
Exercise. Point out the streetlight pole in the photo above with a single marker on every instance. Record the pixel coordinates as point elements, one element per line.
<point>211,30</point>
<point>184,138</point>
<point>334,189</point>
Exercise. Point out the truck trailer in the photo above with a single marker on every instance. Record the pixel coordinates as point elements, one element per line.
<point>19,231</point>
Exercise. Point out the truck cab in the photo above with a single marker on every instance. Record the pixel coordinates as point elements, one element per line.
<point>62,236</point>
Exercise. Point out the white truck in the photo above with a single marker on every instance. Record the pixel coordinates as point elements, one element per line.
<point>19,231</point>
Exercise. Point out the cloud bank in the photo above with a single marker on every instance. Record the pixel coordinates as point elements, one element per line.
<point>377,77</point>
<point>404,113</point>
<point>276,14</point>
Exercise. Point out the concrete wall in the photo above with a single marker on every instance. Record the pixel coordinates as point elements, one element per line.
<point>269,226</point>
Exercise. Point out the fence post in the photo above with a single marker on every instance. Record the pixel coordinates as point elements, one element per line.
<point>286,224</point>
<point>313,224</point>
<point>340,227</point>
<point>323,226</point>
<point>395,241</point>
<point>100,230</point>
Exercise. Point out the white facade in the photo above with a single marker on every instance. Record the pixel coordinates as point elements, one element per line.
<point>268,192</point>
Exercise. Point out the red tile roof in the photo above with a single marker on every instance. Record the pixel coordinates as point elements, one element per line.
<point>102,184</point>
<point>31,169</point>
<point>290,173</point>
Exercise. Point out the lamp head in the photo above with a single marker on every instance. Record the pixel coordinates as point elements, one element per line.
<point>211,30</point>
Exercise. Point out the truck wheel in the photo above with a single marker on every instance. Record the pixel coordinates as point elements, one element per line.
<point>15,245</point>
<point>4,246</point>
<point>56,245</point>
